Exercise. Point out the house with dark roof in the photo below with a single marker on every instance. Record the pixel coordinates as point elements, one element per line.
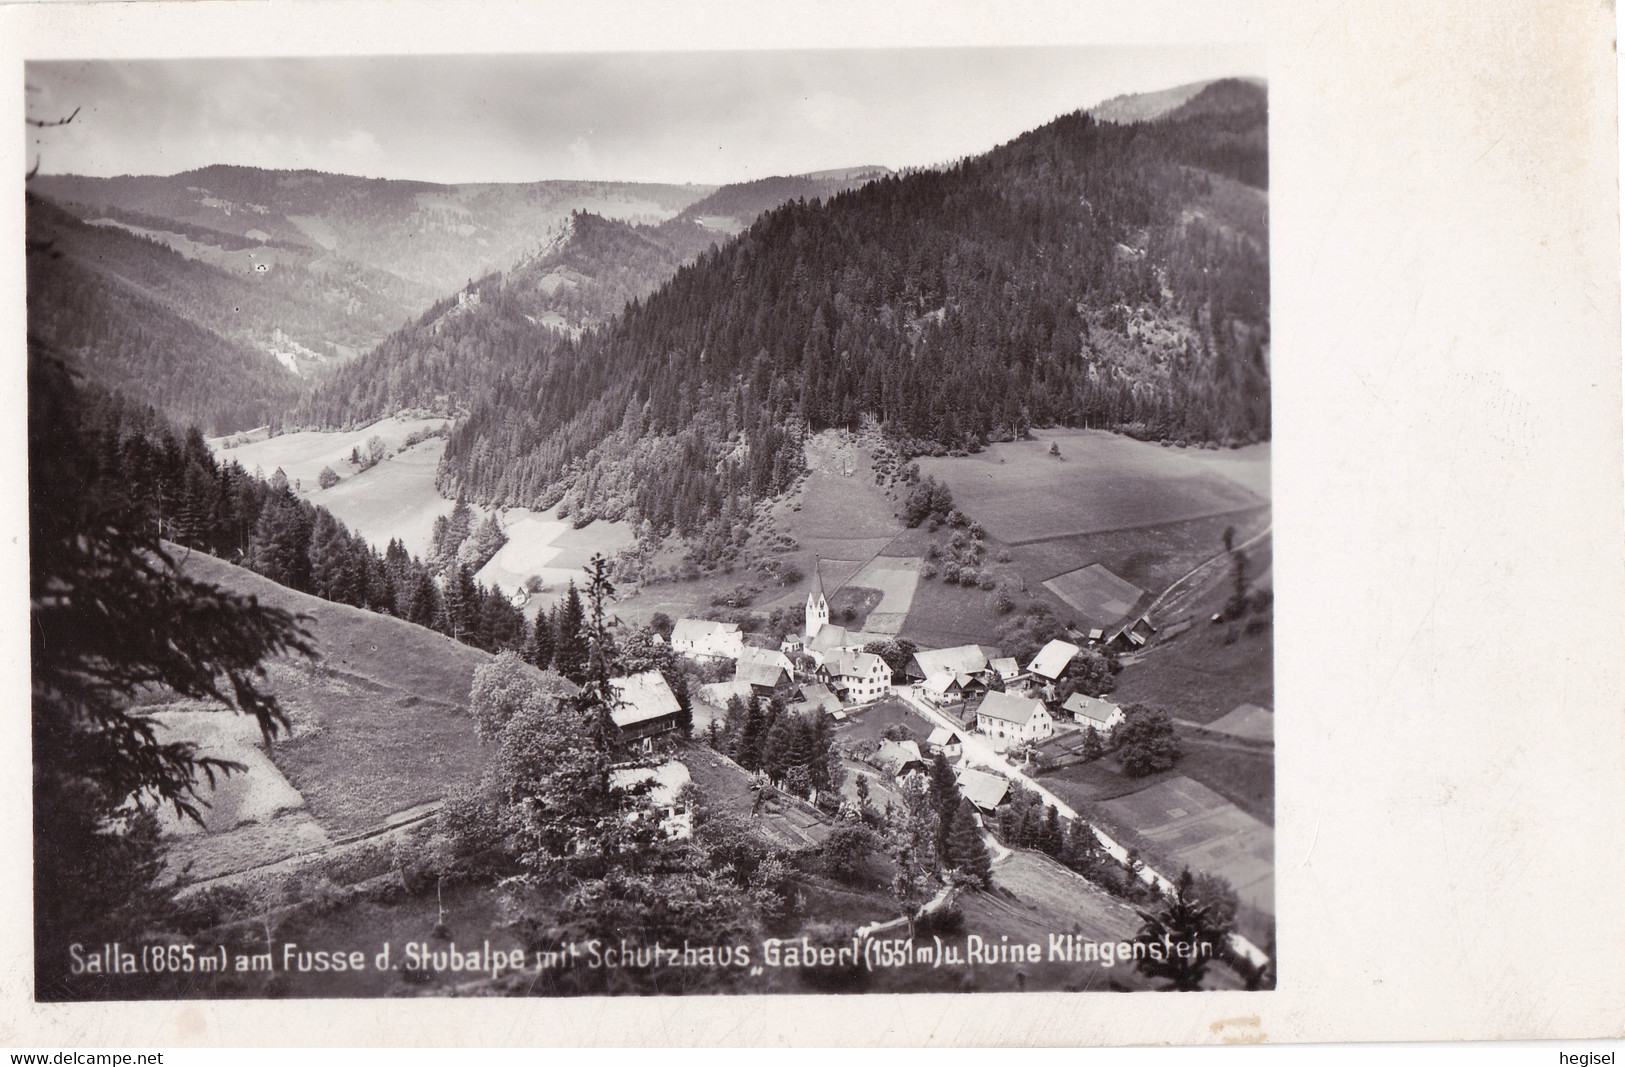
<point>945,741</point>
<point>816,697</point>
<point>767,672</point>
<point>1012,717</point>
<point>899,758</point>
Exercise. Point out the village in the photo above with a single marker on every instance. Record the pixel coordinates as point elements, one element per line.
<point>991,717</point>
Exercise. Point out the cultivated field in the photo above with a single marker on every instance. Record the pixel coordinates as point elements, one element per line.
<point>896,580</point>
<point>1249,722</point>
<point>1101,481</point>
<point>1100,597</point>
<point>1194,827</point>
<point>1243,774</point>
<point>1150,557</point>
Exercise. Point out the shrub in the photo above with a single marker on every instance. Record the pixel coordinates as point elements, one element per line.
<point>928,571</point>
<point>328,478</point>
<point>986,581</point>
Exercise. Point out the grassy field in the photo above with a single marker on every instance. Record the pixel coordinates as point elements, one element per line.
<point>1081,784</point>
<point>1242,774</point>
<point>1100,482</point>
<point>870,723</point>
<point>542,546</point>
<point>1199,677</point>
<point>397,498</point>
<point>379,721</point>
<point>1151,557</point>
<point>302,455</point>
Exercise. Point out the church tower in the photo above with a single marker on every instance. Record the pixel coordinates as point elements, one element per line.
<point>817,606</point>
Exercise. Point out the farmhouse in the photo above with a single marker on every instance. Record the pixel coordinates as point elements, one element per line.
<point>768,673</point>
<point>945,741</point>
<point>1006,668</point>
<point>985,791</point>
<point>900,758</point>
<point>946,688</point>
<point>858,677</point>
<point>644,706</point>
<point>704,639</point>
<point>1053,659</point>
<point>1018,718</point>
<point>815,697</point>
<point>1103,715</point>
<point>961,659</point>
<point>665,784</point>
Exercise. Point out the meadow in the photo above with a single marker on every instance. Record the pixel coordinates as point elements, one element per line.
<point>1100,481</point>
<point>379,726</point>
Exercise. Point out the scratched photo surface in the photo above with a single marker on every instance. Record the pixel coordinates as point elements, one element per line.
<point>704,522</point>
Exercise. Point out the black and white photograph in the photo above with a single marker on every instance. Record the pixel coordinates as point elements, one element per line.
<point>625,524</point>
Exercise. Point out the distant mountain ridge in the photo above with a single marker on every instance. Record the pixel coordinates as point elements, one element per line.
<point>1143,107</point>
<point>438,236</point>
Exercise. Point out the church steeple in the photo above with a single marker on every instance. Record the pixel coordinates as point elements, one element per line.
<point>817,605</point>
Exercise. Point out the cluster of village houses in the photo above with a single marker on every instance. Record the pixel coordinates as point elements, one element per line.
<point>825,669</point>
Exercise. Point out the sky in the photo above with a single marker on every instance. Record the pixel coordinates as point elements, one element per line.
<point>708,118</point>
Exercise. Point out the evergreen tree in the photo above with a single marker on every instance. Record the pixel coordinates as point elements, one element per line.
<point>1180,919</point>
<point>570,640</point>
<point>966,850</point>
<point>541,641</point>
<point>111,615</point>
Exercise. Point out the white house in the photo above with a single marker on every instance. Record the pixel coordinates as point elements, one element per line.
<point>1015,718</point>
<point>945,688</point>
<point>945,741</point>
<point>859,676</point>
<point>1006,668</point>
<point>705,639</point>
<point>1053,659</point>
<point>1103,715</point>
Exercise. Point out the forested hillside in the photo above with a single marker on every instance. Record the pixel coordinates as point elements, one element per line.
<point>586,275</point>
<point>734,207</point>
<point>1086,274</point>
<point>130,336</point>
<point>173,486</point>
